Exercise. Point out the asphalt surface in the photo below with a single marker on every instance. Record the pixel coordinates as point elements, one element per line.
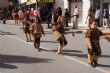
<point>18,56</point>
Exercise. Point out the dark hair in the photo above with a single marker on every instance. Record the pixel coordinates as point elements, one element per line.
<point>94,20</point>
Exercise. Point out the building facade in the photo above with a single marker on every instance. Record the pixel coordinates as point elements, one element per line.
<point>83,6</point>
<point>4,3</point>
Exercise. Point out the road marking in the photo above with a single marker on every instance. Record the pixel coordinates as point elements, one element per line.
<point>78,61</point>
<point>70,58</point>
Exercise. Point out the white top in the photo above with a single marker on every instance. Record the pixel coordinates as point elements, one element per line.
<point>76,11</point>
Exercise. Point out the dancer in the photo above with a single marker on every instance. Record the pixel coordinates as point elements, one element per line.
<point>26,28</point>
<point>37,32</point>
<point>59,31</point>
<point>92,40</point>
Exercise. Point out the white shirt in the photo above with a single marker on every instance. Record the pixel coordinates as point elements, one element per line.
<point>76,11</point>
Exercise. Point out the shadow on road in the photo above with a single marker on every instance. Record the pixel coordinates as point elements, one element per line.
<point>49,41</point>
<point>101,65</point>
<point>48,32</point>
<point>7,33</point>
<point>7,66</point>
<point>68,51</point>
<point>23,59</point>
<point>77,55</point>
<point>105,56</point>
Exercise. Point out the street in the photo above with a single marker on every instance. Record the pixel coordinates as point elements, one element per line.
<point>18,56</point>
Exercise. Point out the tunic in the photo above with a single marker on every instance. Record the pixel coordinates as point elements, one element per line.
<point>26,25</point>
<point>93,37</point>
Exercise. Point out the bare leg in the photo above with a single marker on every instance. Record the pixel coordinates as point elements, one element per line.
<point>26,37</point>
<point>30,37</point>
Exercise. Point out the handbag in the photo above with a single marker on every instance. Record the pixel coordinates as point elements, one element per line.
<point>58,35</point>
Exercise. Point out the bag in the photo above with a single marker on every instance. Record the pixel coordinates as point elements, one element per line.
<point>58,35</point>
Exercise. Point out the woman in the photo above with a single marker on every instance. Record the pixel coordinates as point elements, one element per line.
<point>105,18</point>
<point>37,32</point>
<point>90,16</point>
<point>92,40</point>
<point>26,28</point>
<point>59,31</point>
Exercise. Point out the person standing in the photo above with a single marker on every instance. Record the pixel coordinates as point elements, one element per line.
<point>75,18</point>
<point>54,17</point>
<point>21,16</point>
<point>4,13</point>
<point>90,16</point>
<point>59,32</point>
<point>67,16</point>
<point>37,32</point>
<point>26,28</point>
<point>105,18</point>
<point>92,36</point>
<point>49,17</point>
<point>59,11</point>
<point>98,16</point>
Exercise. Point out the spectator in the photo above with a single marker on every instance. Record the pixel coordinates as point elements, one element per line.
<point>4,12</point>
<point>67,16</point>
<point>59,11</point>
<point>105,18</point>
<point>75,17</point>
<point>98,16</point>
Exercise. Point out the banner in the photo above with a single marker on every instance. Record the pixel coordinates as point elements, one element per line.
<point>22,1</point>
<point>45,0</point>
<point>29,2</point>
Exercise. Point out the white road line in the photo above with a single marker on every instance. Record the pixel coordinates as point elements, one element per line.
<point>70,58</point>
<point>78,61</point>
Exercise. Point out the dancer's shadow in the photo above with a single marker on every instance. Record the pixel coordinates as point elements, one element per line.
<point>105,56</point>
<point>69,51</point>
<point>48,32</point>
<point>101,65</point>
<point>49,41</point>
<point>7,33</point>
<point>7,66</point>
<point>81,55</point>
<point>23,59</point>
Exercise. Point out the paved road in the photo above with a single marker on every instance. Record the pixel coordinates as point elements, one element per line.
<point>18,56</point>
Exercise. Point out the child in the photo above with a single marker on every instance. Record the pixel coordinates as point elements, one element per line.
<point>37,32</point>
<point>26,28</point>
<point>92,40</point>
<point>59,31</point>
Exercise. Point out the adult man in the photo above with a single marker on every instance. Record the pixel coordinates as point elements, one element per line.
<point>67,16</point>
